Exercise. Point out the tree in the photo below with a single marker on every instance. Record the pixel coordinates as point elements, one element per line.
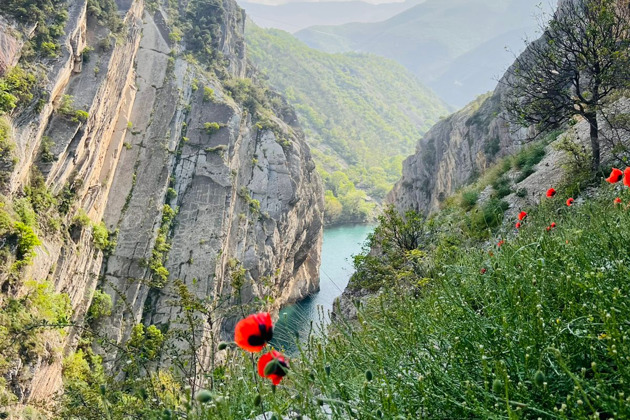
<point>579,61</point>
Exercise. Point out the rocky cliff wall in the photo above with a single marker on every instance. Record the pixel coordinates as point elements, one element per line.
<point>247,196</point>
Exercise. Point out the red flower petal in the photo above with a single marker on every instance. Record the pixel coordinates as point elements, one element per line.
<point>617,200</point>
<point>501,242</point>
<point>553,225</point>
<point>522,215</point>
<point>518,225</point>
<point>279,372</point>
<point>626,177</point>
<point>253,332</point>
<point>570,202</point>
<point>615,176</point>
<point>551,192</point>
<point>548,228</point>
<point>483,271</point>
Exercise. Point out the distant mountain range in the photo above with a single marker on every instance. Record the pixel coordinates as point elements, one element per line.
<point>292,17</point>
<point>456,47</point>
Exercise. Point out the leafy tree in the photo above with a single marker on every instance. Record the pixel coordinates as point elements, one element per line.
<point>580,60</point>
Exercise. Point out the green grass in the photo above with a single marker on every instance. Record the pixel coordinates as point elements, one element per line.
<point>543,333</point>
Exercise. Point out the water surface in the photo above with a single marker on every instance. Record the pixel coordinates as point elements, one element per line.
<point>341,243</point>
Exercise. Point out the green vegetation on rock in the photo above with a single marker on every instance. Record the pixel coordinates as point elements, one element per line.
<point>362,115</point>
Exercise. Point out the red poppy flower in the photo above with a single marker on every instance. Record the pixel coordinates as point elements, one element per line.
<point>626,177</point>
<point>615,176</point>
<point>617,200</point>
<point>518,225</point>
<point>501,242</point>
<point>548,228</point>
<point>253,332</point>
<point>551,192</point>
<point>483,271</point>
<point>273,365</point>
<point>522,215</point>
<point>553,224</point>
<point>570,202</point>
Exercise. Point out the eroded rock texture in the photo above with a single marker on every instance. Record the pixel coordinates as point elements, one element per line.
<point>245,195</point>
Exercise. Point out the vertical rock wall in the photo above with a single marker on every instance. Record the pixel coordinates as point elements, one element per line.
<point>246,195</point>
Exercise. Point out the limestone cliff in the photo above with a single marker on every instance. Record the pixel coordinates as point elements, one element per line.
<point>454,151</point>
<point>162,138</point>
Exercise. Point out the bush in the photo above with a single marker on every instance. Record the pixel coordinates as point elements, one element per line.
<point>489,216</point>
<point>101,306</point>
<point>211,127</point>
<point>100,236</point>
<point>27,241</point>
<point>208,94</point>
<point>469,199</point>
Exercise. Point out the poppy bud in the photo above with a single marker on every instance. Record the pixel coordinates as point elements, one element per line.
<point>102,389</point>
<point>368,375</point>
<point>222,345</point>
<point>320,402</point>
<point>257,400</point>
<point>203,396</point>
<point>539,378</point>
<point>379,413</point>
<point>327,369</point>
<point>497,386</point>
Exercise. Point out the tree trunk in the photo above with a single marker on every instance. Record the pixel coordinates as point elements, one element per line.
<point>592,120</point>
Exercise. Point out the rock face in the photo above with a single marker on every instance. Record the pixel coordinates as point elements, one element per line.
<point>459,148</point>
<point>454,151</point>
<point>245,195</point>
<point>10,46</point>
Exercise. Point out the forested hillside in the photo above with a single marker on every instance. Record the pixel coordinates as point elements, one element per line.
<point>361,114</point>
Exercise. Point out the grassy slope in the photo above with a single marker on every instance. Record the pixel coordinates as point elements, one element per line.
<point>362,114</point>
<point>543,333</point>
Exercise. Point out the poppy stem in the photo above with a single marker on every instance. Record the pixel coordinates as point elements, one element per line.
<point>262,403</point>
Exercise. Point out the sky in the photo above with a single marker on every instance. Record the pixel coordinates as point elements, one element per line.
<point>277,2</point>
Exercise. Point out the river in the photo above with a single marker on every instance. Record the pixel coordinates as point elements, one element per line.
<point>341,243</point>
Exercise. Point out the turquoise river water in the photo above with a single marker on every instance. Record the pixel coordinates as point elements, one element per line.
<point>341,243</point>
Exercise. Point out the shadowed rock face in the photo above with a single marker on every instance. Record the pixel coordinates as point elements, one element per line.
<point>247,197</point>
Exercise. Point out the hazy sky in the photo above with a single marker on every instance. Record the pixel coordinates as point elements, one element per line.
<point>276,2</point>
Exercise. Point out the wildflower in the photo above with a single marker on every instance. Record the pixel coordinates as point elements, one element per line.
<point>522,215</point>
<point>518,225</point>
<point>615,176</point>
<point>253,332</point>
<point>553,225</point>
<point>551,192</point>
<point>548,228</point>
<point>570,202</point>
<point>617,201</point>
<point>626,177</point>
<point>483,271</point>
<point>501,242</point>
<point>273,365</point>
